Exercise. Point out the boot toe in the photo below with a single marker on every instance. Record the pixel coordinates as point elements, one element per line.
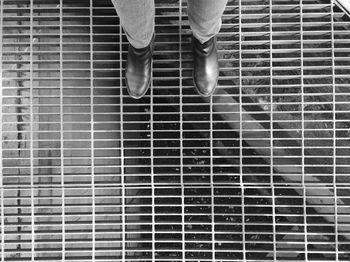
<point>205,86</point>
<point>137,86</point>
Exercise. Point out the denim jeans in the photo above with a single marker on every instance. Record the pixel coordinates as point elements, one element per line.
<point>137,19</point>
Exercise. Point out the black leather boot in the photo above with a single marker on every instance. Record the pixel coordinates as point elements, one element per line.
<point>138,70</point>
<point>205,66</point>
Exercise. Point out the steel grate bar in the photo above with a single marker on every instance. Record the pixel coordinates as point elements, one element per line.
<point>123,191</point>
<point>31,136</point>
<point>257,172</point>
<point>181,167</point>
<point>94,249</point>
<point>274,238</point>
<point>303,134</point>
<point>240,129</point>
<point>2,206</point>
<point>61,136</point>
<point>336,244</point>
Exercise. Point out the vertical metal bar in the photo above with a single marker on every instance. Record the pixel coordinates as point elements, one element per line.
<point>62,133</point>
<point>183,238</point>
<point>212,191</point>
<point>241,181</point>
<point>122,181</point>
<point>92,128</point>
<point>2,195</point>
<point>31,136</point>
<point>212,180</point>
<point>335,189</point>
<point>274,238</point>
<point>152,168</point>
<point>303,127</point>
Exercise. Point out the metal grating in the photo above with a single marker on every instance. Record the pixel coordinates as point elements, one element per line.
<point>258,172</point>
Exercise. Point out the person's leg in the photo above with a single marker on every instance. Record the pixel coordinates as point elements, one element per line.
<point>137,20</point>
<point>205,22</point>
<point>205,17</point>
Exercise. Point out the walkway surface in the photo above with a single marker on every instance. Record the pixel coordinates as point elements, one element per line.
<point>260,171</point>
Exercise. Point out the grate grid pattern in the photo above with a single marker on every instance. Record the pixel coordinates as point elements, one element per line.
<point>257,172</point>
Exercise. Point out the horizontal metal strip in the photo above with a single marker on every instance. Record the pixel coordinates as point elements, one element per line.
<point>189,184</point>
